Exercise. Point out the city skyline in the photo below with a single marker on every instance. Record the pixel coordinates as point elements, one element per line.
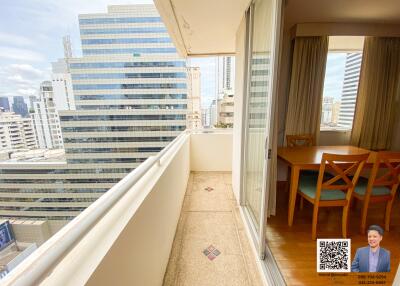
<point>25,61</point>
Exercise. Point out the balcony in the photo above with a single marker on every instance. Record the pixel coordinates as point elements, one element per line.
<point>154,226</point>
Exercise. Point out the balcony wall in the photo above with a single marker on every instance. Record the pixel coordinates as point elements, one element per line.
<point>131,243</point>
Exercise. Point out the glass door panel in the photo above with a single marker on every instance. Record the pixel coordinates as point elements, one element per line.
<point>262,30</point>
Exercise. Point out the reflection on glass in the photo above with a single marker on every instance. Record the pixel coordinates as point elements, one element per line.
<point>258,105</point>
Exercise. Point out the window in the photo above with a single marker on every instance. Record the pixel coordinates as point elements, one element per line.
<point>341,83</point>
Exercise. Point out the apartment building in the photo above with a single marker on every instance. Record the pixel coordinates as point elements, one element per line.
<point>16,132</point>
<point>46,119</point>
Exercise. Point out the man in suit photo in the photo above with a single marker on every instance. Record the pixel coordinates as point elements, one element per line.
<point>372,258</point>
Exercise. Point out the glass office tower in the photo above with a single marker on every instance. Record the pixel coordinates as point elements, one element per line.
<point>130,94</point>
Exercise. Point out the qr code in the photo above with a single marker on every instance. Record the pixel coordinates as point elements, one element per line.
<point>333,255</point>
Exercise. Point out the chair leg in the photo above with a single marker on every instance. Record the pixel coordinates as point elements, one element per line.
<point>301,203</point>
<point>345,219</point>
<point>314,222</point>
<point>364,213</point>
<point>387,214</point>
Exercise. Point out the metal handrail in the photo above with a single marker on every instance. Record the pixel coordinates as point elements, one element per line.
<point>53,250</point>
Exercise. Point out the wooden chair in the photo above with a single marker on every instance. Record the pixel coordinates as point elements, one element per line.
<point>304,140</point>
<point>337,177</point>
<point>381,185</point>
<point>299,140</point>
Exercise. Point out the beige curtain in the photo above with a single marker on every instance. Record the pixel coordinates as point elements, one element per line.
<point>377,91</point>
<point>306,86</point>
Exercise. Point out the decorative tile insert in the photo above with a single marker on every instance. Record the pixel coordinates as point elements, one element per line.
<point>211,252</point>
<point>208,189</point>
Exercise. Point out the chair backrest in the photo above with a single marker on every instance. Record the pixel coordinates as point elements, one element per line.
<point>386,171</point>
<point>299,140</point>
<point>340,172</point>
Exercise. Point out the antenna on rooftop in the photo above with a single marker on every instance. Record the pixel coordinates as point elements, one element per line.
<point>67,47</point>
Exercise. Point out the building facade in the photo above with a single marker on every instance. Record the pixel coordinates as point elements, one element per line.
<point>130,96</point>
<point>130,89</point>
<point>46,119</point>
<point>226,110</point>
<point>349,92</point>
<point>19,106</point>
<point>16,132</point>
<point>4,103</point>
<point>194,115</point>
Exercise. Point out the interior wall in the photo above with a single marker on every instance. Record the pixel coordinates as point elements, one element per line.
<point>238,107</point>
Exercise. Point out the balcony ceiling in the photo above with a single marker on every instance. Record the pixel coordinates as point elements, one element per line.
<point>342,11</point>
<point>202,27</point>
<point>208,27</point>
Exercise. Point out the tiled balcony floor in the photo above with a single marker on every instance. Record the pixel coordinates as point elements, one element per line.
<point>211,246</point>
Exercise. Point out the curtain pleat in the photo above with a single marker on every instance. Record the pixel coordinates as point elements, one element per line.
<point>378,89</point>
<point>306,86</point>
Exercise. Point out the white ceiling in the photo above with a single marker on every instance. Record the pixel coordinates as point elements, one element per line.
<point>208,27</point>
<point>342,11</point>
<point>203,27</point>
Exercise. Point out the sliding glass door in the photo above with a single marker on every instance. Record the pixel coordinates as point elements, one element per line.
<point>261,31</point>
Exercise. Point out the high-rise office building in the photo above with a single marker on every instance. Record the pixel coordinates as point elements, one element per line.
<point>19,106</point>
<point>225,75</point>
<point>46,119</point>
<point>130,89</point>
<point>349,91</point>
<point>130,93</point>
<point>194,119</point>
<point>4,103</point>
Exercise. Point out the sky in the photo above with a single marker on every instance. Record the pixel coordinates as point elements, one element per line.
<point>31,38</point>
<point>334,75</point>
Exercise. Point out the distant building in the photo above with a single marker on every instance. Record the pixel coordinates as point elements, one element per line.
<point>4,103</point>
<point>32,100</point>
<point>61,80</point>
<point>327,111</point>
<point>46,119</point>
<point>225,110</point>
<point>225,75</point>
<point>213,113</point>
<point>205,117</point>
<point>63,94</point>
<point>350,88</point>
<point>16,132</point>
<point>194,116</point>
<point>19,106</point>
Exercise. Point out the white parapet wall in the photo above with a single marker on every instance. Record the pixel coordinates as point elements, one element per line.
<point>130,243</point>
<point>211,151</point>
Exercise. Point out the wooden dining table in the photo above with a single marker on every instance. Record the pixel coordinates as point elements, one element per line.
<point>309,158</point>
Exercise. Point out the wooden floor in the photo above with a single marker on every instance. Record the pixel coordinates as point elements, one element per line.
<point>295,251</point>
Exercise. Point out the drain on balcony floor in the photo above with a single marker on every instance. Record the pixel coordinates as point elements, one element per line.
<point>209,189</point>
<point>211,252</point>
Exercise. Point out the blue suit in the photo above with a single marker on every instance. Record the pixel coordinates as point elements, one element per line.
<point>361,260</point>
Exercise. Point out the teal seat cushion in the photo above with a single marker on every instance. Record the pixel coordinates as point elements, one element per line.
<point>361,188</point>
<point>308,186</point>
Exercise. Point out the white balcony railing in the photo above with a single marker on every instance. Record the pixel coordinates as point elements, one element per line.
<point>125,237</point>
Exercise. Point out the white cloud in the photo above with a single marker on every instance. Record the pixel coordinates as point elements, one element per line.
<point>10,53</point>
<point>15,40</point>
<point>26,69</point>
<point>27,91</point>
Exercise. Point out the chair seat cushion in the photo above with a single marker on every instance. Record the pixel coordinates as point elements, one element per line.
<point>361,188</point>
<point>308,186</point>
